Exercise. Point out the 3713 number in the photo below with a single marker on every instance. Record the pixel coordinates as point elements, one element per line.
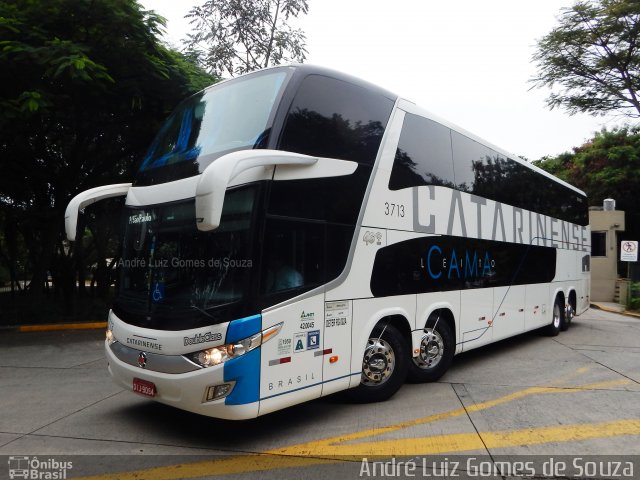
<point>393,209</point>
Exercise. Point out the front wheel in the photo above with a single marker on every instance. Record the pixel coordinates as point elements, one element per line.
<point>436,352</point>
<point>384,366</point>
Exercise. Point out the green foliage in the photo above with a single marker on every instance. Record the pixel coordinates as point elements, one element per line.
<point>634,301</point>
<point>239,36</point>
<point>593,57</point>
<point>86,83</point>
<point>608,166</point>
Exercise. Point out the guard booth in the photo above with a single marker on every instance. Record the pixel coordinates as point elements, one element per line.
<point>608,282</point>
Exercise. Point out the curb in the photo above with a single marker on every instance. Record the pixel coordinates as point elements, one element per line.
<point>626,313</point>
<point>52,327</point>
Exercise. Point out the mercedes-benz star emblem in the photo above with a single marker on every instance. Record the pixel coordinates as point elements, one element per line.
<point>142,360</point>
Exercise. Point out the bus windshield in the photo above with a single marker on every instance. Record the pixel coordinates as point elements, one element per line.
<point>234,115</point>
<point>171,268</point>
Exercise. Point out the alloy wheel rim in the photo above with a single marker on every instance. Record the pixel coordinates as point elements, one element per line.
<point>556,315</point>
<point>378,362</point>
<point>431,350</point>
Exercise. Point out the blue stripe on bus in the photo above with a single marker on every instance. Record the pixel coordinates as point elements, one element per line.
<point>243,328</point>
<point>245,371</point>
<point>309,386</point>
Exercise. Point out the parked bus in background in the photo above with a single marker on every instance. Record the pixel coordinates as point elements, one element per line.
<point>295,232</point>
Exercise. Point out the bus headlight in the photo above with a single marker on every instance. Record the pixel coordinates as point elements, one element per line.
<point>109,337</point>
<point>222,353</point>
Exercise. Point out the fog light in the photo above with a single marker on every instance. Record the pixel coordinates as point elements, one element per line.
<point>109,337</point>
<point>217,391</point>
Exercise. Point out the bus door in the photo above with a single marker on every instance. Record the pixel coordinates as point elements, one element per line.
<point>336,354</point>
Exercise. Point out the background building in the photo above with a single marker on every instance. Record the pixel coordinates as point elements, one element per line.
<point>607,224</point>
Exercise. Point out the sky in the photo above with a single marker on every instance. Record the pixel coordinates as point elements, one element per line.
<point>466,61</point>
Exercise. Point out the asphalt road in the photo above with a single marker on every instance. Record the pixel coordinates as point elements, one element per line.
<point>532,398</point>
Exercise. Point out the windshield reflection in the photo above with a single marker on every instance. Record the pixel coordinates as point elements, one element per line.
<point>231,116</point>
<point>168,264</point>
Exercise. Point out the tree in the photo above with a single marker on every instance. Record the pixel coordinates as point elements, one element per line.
<point>593,56</point>
<point>239,36</point>
<point>607,166</point>
<point>85,86</point>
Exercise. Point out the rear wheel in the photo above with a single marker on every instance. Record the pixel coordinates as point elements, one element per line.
<point>557,320</point>
<point>569,313</point>
<point>436,352</point>
<point>384,366</point>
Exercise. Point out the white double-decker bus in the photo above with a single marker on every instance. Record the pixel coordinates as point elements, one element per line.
<point>295,232</point>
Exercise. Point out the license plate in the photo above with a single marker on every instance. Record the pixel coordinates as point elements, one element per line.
<point>143,387</point>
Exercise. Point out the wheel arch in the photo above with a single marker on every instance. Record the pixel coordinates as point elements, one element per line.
<point>559,293</point>
<point>573,298</point>
<point>399,321</point>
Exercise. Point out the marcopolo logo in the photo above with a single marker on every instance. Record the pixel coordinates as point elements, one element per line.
<point>38,469</point>
<point>202,338</point>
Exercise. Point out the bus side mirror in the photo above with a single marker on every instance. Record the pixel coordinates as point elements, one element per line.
<point>80,201</point>
<point>217,176</point>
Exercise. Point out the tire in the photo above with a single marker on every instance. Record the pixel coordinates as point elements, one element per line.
<point>557,319</point>
<point>436,352</point>
<point>569,313</point>
<point>384,366</point>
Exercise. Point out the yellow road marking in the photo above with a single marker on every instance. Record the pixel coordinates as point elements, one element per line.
<point>454,443</point>
<point>465,442</point>
<point>453,413</point>
<point>334,450</point>
<point>225,466</point>
<point>62,326</point>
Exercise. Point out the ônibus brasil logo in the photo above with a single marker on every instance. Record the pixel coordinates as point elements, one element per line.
<point>38,469</point>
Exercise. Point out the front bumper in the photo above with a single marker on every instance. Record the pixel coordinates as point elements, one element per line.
<point>187,391</point>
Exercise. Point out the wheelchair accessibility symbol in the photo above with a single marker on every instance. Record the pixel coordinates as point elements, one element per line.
<point>313,339</point>
<point>157,292</point>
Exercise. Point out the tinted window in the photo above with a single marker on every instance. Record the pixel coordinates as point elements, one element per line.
<point>175,277</point>
<point>333,199</point>
<point>469,161</point>
<point>486,173</point>
<point>293,256</point>
<point>423,156</point>
<point>234,115</point>
<point>335,119</point>
<point>443,263</point>
<point>506,181</point>
<point>300,255</point>
<point>337,249</point>
<point>523,187</point>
